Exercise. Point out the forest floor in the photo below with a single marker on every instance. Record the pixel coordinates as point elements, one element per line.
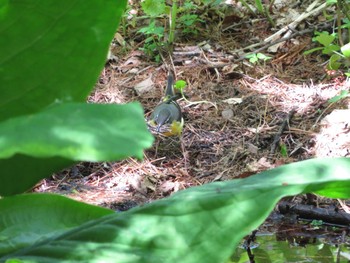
<point>235,133</point>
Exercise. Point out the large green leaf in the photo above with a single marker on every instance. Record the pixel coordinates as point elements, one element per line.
<point>201,224</point>
<point>78,131</point>
<point>22,172</point>
<point>28,218</point>
<point>51,53</point>
<point>69,131</point>
<point>52,50</point>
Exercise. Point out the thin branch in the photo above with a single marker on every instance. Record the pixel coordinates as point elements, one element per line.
<point>278,135</point>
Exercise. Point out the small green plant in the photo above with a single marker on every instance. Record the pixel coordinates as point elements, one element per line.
<point>180,85</point>
<point>327,41</point>
<point>153,41</point>
<point>188,19</point>
<point>254,58</point>
<point>333,44</point>
<point>316,223</point>
<point>339,56</point>
<point>283,150</point>
<point>179,17</point>
<point>262,9</point>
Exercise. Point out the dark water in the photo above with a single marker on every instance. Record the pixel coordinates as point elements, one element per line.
<point>302,242</point>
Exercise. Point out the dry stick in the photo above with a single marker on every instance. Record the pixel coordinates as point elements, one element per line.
<point>322,113</point>
<point>278,135</point>
<point>344,206</point>
<point>133,76</point>
<point>266,46</point>
<point>187,53</point>
<point>273,39</point>
<point>309,11</point>
<point>216,70</point>
<point>172,64</point>
<point>247,245</point>
<point>327,215</point>
<point>342,242</point>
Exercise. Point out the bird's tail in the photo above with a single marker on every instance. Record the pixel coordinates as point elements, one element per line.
<point>169,91</point>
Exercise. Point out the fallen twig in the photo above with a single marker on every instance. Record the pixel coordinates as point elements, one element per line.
<point>331,216</point>
<point>278,135</point>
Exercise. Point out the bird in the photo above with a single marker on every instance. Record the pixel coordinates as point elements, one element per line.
<point>167,115</point>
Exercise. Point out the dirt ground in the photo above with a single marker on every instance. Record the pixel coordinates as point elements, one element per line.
<point>236,132</point>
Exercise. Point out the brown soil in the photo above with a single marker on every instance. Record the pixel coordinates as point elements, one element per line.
<point>218,143</point>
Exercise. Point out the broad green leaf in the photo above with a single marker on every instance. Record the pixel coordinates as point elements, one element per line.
<point>78,131</point>
<point>253,58</point>
<point>52,50</point>
<point>346,50</point>
<point>201,224</point>
<point>25,219</point>
<point>68,131</point>
<point>324,38</point>
<point>21,172</point>
<point>345,23</point>
<point>334,63</point>
<point>328,50</point>
<point>154,7</point>
<point>180,84</point>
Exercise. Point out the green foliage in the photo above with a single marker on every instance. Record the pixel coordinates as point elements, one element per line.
<point>153,32</point>
<point>345,23</point>
<point>283,150</point>
<point>262,8</point>
<point>327,42</point>
<point>317,223</point>
<point>259,6</point>
<point>338,55</point>
<point>254,58</point>
<point>154,8</point>
<point>332,44</point>
<point>29,218</point>
<point>179,17</point>
<point>68,131</point>
<point>210,2</point>
<point>44,123</point>
<point>74,131</point>
<point>32,41</point>
<point>345,50</point>
<point>180,85</point>
<point>201,224</point>
<point>153,41</point>
<point>188,19</point>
